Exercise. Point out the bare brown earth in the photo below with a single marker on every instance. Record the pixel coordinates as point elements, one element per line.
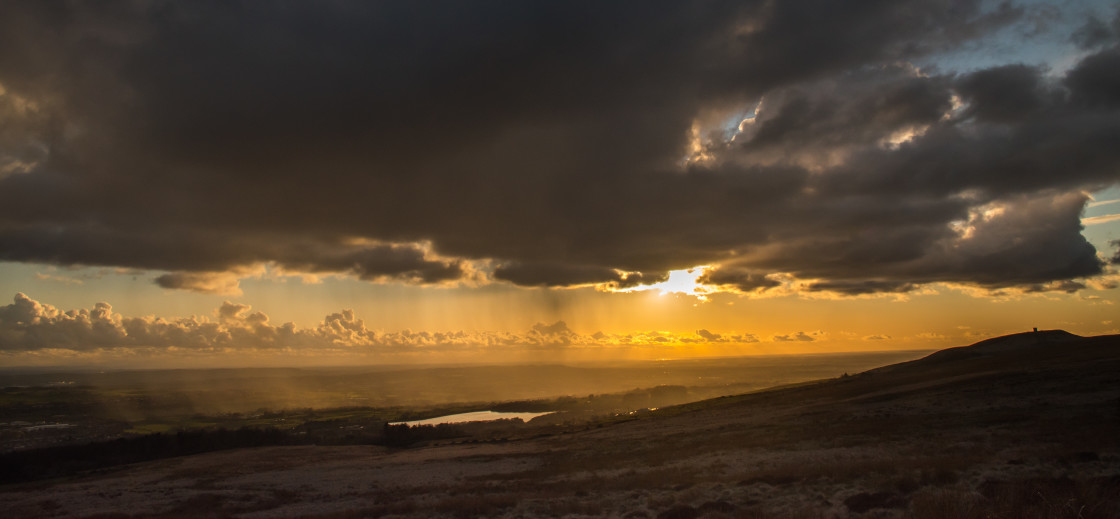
<point>1021,426</point>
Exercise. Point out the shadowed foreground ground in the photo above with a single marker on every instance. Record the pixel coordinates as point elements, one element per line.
<point>1026,425</point>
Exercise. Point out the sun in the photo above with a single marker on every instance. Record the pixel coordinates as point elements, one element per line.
<point>686,281</point>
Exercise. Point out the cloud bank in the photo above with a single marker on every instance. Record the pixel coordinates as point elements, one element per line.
<point>26,325</point>
<point>550,144</point>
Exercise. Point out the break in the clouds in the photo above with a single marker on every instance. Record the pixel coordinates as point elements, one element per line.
<point>556,143</point>
<point>28,326</point>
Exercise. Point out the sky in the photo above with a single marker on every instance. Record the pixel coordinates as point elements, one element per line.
<point>304,183</point>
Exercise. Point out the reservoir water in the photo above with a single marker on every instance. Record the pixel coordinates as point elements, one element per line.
<point>476,416</point>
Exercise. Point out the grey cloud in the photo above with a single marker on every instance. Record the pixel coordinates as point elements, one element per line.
<point>555,334</point>
<point>634,279</point>
<point>889,211</point>
<point>1095,82</point>
<point>555,274</point>
<point>556,328</point>
<point>371,262</point>
<point>1066,286</point>
<point>861,287</point>
<point>1017,242</point>
<point>234,312</point>
<point>204,282</point>
<point>744,338</point>
<point>1033,240</point>
<point>23,135</point>
<point>552,274</point>
<point>857,108</point>
<point>796,337</point>
<point>548,138</point>
<point>1069,147</point>
<point>708,336</point>
<point>741,279</point>
<point>1095,33</point>
<point>1003,94</point>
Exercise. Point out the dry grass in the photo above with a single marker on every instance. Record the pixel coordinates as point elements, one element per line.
<point>1025,499</point>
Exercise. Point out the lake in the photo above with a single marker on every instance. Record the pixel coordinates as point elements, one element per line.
<point>476,416</point>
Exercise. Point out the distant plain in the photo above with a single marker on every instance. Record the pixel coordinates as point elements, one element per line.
<point>104,403</point>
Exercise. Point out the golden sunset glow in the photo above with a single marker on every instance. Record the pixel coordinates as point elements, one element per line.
<point>313,194</point>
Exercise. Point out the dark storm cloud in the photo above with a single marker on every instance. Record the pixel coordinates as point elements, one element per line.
<point>191,250</point>
<point>549,138</point>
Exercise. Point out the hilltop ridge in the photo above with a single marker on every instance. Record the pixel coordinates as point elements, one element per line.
<point>1023,349</point>
<point>1012,342</point>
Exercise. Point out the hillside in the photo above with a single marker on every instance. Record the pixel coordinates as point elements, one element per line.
<point>1026,425</point>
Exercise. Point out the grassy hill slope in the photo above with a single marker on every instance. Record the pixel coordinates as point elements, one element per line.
<point>1023,426</point>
